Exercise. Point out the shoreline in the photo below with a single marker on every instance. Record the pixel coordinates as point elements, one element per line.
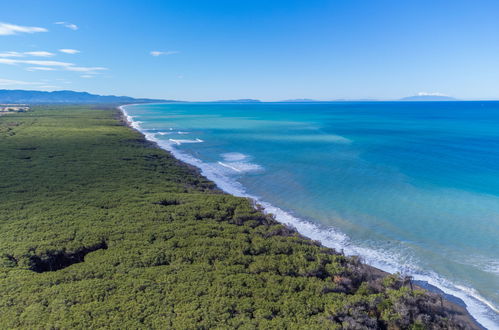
<point>452,303</point>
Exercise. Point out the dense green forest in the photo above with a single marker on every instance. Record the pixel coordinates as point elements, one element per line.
<point>101,229</point>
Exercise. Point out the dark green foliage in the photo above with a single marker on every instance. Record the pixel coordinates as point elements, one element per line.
<point>99,228</point>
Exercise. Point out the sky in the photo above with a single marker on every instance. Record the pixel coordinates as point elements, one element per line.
<point>269,50</point>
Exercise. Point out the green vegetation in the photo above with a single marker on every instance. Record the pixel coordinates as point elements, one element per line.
<point>101,229</point>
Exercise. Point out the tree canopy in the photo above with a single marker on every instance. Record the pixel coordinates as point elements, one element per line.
<point>99,228</point>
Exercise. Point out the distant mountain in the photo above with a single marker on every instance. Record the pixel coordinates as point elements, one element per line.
<point>430,97</point>
<point>34,97</point>
<point>239,101</point>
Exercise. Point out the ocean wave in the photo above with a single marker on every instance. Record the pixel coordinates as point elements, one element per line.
<point>481,309</point>
<point>179,142</point>
<point>241,167</point>
<point>239,163</point>
<point>487,265</point>
<point>172,132</point>
<point>234,156</point>
<point>136,124</point>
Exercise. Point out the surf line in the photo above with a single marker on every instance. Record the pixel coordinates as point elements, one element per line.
<point>179,142</point>
<point>231,167</point>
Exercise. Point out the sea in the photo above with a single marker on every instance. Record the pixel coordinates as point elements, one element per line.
<point>411,187</point>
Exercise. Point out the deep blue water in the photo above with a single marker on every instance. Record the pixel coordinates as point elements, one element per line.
<point>410,186</point>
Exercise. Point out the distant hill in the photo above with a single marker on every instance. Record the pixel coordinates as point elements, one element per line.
<point>428,98</point>
<point>239,101</point>
<point>31,97</point>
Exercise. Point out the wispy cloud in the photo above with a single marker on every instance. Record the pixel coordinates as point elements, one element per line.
<point>53,64</point>
<point>10,29</point>
<point>69,51</point>
<point>87,76</point>
<point>34,62</point>
<point>24,54</point>
<point>11,54</point>
<point>40,54</point>
<point>10,82</point>
<point>158,53</point>
<point>40,68</point>
<point>71,26</point>
<point>85,68</point>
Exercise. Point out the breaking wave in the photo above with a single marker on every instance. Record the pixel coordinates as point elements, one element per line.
<point>481,309</point>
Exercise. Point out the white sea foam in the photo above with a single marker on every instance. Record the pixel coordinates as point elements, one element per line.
<point>485,264</point>
<point>229,166</point>
<point>492,267</point>
<point>164,133</point>
<point>134,124</point>
<point>234,156</point>
<point>179,142</point>
<point>241,167</point>
<point>239,163</point>
<point>482,310</point>
<point>183,133</point>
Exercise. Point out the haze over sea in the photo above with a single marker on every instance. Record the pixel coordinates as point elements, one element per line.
<point>410,186</point>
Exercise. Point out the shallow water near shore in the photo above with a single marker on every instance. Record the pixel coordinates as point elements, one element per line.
<point>412,187</point>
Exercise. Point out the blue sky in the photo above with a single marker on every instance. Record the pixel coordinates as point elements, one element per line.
<point>271,50</point>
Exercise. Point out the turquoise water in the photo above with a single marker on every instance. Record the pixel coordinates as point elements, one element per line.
<point>410,186</point>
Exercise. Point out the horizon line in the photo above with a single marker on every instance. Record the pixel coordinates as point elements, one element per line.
<point>288,100</point>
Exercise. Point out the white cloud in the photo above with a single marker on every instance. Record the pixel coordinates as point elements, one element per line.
<point>24,54</point>
<point>35,62</point>
<point>11,54</point>
<point>69,51</point>
<point>431,94</point>
<point>9,82</point>
<point>73,27</point>
<point>87,76</point>
<point>10,29</point>
<point>85,69</point>
<point>57,64</point>
<point>40,68</point>
<point>158,53</point>
<point>40,54</point>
